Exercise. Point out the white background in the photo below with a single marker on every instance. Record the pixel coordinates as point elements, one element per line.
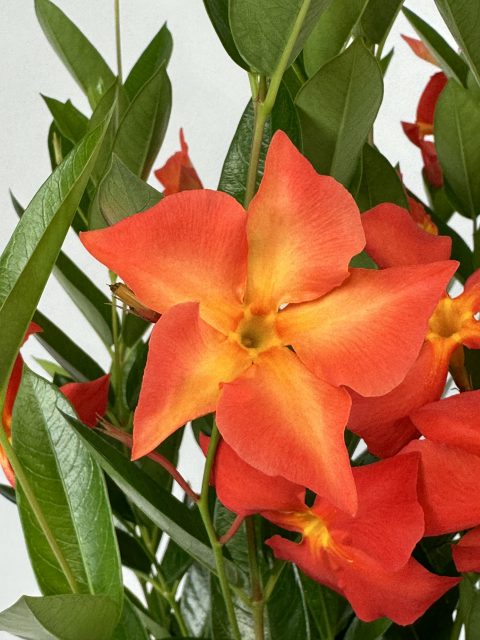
<point>209,94</point>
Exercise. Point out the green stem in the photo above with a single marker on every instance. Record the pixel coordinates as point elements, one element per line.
<point>327,633</point>
<point>118,46</point>
<point>258,603</point>
<point>212,536</point>
<point>259,125</point>
<point>22,480</point>
<point>273,579</point>
<point>117,357</point>
<point>162,588</point>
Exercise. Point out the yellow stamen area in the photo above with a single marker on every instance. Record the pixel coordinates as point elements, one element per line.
<point>425,129</point>
<point>256,332</point>
<point>449,319</point>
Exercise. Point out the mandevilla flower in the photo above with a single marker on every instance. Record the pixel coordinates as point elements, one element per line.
<point>466,554</point>
<point>264,322</point>
<point>420,50</point>
<point>178,173</point>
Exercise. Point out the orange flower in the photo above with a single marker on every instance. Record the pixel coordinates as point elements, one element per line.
<point>263,321</point>
<point>420,50</point>
<point>178,173</point>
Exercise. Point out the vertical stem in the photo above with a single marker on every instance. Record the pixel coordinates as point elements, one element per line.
<point>258,602</point>
<point>22,480</point>
<point>118,46</point>
<point>117,359</point>
<point>212,536</point>
<point>261,116</point>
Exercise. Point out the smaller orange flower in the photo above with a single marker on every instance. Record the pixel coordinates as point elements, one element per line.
<point>420,50</point>
<point>178,173</point>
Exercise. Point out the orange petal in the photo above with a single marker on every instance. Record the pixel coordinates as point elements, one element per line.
<point>367,333</point>
<point>283,421</point>
<point>383,421</point>
<point>429,98</point>
<point>393,238</point>
<point>420,50</point>
<point>190,247</point>
<point>178,173</point>
<point>466,554</point>
<point>89,399</point>
<point>187,362</point>
<point>303,229</point>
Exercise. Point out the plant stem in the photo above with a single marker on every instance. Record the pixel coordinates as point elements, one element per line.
<point>117,357</point>
<point>273,579</point>
<point>259,124</point>
<point>212,536</point>
<point>22,480</point>
<point>118,45</point>
<point>165,592</point>
<point>258,603</point>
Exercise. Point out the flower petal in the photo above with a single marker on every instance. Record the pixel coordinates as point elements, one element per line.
<point>89,399</point>
<point>393,238</point>
<point>303,229</point>
<point>190,247</point>
<point>429,98</point>
<point>187,362</point>
<point>383,421</point>
<point>420,50</point>
<point>466,554</point>
<point>283,421</point>
<point>447,487</point>
<point>178,173</point>
<point>367,333</point>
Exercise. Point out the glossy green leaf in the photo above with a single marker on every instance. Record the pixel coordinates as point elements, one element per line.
<point>61,617</point>
<point>28,258</point>
<point>175,563</point>
<point>155,55</point>
<point>121,193</point>
<point>359,630</point>
<point>462,17</point>
<point>86,65</point>
<point>378,19</point>
<point>330,611</point>
<point>331,32</point>
<point>70,121</point>
<point>448,59</point>
<point>233,179</point>
<point>132,553</point>
<point>457,123</point>
<point>220,626</point>
<point>380,182</point>
<point>66,352</point>
<point>157,631</point>
<point>134,373</point>
<point>385,62</point>
<point>287,612</point>
<point>169,514</point>
<point>337,109</point>
<point>263,30</point>
<point>70,489</point>
<point>142,129</point>
<point>195,603</point>
<point>130,625</point>
<point>218,13</point>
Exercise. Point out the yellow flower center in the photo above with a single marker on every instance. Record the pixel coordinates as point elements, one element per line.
<point>256,333</point>
<point>449,318</point>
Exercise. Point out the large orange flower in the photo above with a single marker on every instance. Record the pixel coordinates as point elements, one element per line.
<point>263,321</point>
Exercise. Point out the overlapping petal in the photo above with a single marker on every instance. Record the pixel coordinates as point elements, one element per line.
<point>466,554</point>
<point>428,101</point>
<point>178,173</point>
<point>376,320</point>
<point>282,420</point>
<point>89,399</point>
<point>190,247</point>
<point>187,362</point>
<point>394,239</point>
<point>303,230</point>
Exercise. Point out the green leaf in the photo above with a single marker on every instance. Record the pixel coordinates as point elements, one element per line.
<point>448,59</point>
<point>235,168</point>
<point>287,609</point>
<point>68,354</point>
<point>462,17</point>
<point>264,30</point>
<point>175,563</point>
<point>380,182</point>
<point>359,630</point>
<point>169,514</point>
<point>132,553</point>
<point>155,55</point>
<point>378,19</point>
<point>195,603</point>
<point>130,626</point>
<point>86,65</point>
<point>362,261</point>
<point>331,32</point>
<point>142,128</point>
<point>218,13</point>
<point>329,610</point>
<point>28,258</point>
<point>121,193</point>
<point>8,492</point>
<point>70,489</point>
<point>70,121</point>
<point>457,123</point>
<point>220,627</point>
<point>337,109</point>
<point>385,62</point>
<point>62,617</point>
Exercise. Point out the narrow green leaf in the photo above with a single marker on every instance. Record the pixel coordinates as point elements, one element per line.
<point>385,61</point>
<point>331,32</point>
<point>457,123</point>
<point>218,13</point>
<point>121,193</point>
<point>163,509</point>
<point>378,19</point>
<point>70,121</point>
<point>448,59</point>
<point>264,29</point>
<point>380,182</point>
<point>175,563</point>
<point>359,630</point>
<point>71,492</point>
<point>69,355</point>
<point>219,623</point>
<point>8,492</point>
<point>195,603</point>
<point>61,617</point>
<point>337,109</point>
<point>52,368</point>
<point>233,179</point>
<point>330,611</point>
<point>155,55</point>
<point>462,17</point>
<point>28,258</point>
<point>287,609</point>
<point>142,129</point>
<point>86,65</point>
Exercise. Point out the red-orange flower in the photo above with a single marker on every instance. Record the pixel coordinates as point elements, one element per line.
<point>466,554</point>
<point>263,321</point>
<point>420,50</point>
<point>178,173</point>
